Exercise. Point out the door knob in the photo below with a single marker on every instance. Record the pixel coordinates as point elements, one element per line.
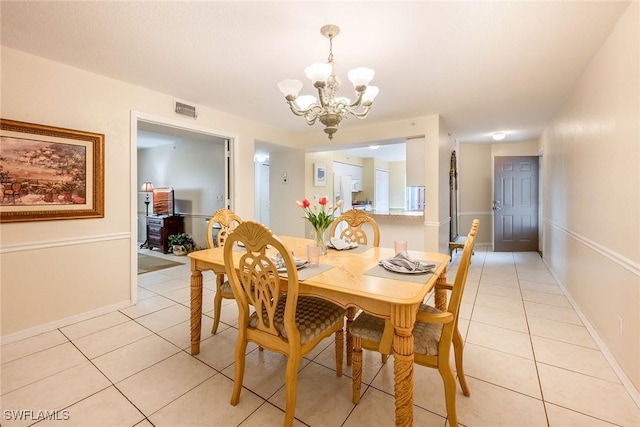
<point>496,205</point>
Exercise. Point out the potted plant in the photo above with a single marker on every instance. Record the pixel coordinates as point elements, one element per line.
<point>180,243</point>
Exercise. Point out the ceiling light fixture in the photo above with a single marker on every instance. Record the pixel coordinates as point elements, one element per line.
<point>328,108</point>
<point>374,147</point>
<point>499,136</point>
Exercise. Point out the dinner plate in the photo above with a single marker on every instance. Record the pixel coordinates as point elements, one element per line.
<point>352,245</point>
<point>424,268</point>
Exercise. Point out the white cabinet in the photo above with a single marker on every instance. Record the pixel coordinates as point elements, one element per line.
<point>415,162</point>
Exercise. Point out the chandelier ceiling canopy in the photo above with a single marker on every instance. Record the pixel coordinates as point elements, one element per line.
<point>329,108</point>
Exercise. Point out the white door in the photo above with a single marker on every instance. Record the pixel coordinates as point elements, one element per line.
<point>382,191</point>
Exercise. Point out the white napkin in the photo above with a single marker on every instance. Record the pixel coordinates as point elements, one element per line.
<point>339,244</point>
<point>404,263</point>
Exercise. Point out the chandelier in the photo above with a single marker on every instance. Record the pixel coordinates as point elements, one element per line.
<point>329,108</point>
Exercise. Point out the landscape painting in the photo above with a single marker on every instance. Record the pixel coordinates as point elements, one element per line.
<point>49,173</point>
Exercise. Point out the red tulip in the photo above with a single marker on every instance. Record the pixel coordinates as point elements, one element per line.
<point>323,200</point>
<point>306,204</point>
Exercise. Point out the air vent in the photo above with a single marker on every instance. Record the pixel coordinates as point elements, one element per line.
<point>186,110</point>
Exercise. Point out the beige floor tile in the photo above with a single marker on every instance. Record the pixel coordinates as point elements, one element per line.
<point>546,298</point>
<point>502,369</point>
<point>165,318</point>
<point>501,318</point>
<point>378,409</point>
<point>466,310</point>
<point>499,280</point>
<point>562,417</point>
<point>180,334</point>
<point>55,392</point>
<point>208,405</point>
<point>573,357</point>
<point>168,286</point>
<point>144,294</point>
<point>144,423</point>
<point>147,306</point>
<point>501,339</point>
<point>107,408</point>
<point>109,339</point>
<point>130,359</point>
<point>218,351</point>
<point>171,378</point>
<point>490,405</point>
<point>155,277</point>
<point>548,288</point>
<point>588,395</point>
<point>502,303</point>
<point>536,275</point>
<point>546,311</point>
<point>31,345</point>
<point>560,331</point>
<point>267,415</point>
<point>264,372</point>
<point>96,324</point>
<point>500,291</point>
<point>322,398</point>
<point>36,366</point>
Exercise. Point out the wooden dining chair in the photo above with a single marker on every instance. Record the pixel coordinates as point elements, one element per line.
<point>227,220</point>
<point>433,333</point>
<point>282,321</point>
<point>355,219</point>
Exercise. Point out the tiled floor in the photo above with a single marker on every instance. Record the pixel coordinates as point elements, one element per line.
<point>529,362</point>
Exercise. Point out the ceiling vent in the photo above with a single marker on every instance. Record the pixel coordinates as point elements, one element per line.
<point>186,110</point>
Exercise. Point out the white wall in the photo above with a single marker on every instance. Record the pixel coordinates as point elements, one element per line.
<point>195,170</point>
<point>592,193</point>
<point>55,272</point>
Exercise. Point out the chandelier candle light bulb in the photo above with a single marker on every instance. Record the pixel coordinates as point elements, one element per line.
<point>328,108</point>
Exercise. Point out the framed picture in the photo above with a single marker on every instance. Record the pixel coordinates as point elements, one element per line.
<point>50,173</point>
<point>319,175</point>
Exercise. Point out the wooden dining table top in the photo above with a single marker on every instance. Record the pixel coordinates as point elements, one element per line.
<point>346,282</point>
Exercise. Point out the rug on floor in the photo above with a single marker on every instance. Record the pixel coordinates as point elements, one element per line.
<point>148,263</point>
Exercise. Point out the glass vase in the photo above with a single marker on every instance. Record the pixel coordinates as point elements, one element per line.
<point>320,241</point>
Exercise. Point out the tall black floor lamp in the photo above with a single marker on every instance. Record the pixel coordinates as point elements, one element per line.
<point>147,187</point>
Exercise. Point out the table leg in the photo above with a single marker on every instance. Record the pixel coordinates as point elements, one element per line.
<point>196,310</point>
<point>403,318</point>
<point>441,293</point>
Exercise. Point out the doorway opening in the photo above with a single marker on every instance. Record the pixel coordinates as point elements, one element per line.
<point>197,161</point>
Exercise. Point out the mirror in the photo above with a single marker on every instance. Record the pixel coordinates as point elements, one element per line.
<point>453,198</point>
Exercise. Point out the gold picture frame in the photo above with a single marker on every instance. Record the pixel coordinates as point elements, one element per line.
<point>50,173</point>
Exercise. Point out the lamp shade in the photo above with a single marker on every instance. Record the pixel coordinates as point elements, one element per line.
<point>360,76</point>
<point>290,87</point>
<point>370,93</point>
<point>147,187</point>
<point>305,101</point>
<point>318,72</point>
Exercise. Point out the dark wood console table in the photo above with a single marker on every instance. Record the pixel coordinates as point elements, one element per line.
<point>159,228</point>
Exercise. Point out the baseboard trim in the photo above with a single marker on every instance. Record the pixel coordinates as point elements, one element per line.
<point>61,323</point>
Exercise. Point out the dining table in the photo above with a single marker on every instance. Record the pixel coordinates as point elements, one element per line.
<point>354,280</point>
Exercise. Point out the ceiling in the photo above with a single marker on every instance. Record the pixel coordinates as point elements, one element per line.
<point>484,66</point>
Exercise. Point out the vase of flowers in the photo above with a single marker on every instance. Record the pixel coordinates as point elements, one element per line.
<point>320,218</point>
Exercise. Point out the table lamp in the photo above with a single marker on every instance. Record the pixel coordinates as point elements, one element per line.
<point>147,187</point>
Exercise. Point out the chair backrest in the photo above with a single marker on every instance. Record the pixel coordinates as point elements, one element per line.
<point>459,283</point>
<point>355,218</point>
<point>228,220</point>
<point>257,283</point>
